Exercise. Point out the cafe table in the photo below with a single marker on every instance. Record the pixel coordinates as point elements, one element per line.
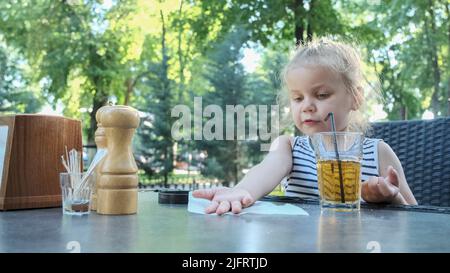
<point>161,228</point>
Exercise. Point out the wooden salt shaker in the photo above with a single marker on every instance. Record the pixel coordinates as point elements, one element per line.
<point>118,184</point>
<point>100,140</point>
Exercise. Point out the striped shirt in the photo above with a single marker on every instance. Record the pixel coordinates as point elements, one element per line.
<point>302,181</point>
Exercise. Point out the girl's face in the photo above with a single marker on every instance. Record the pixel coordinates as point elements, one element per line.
<point>315,92</point>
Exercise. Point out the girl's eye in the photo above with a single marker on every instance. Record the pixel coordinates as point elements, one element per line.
<point>323,95</point>
<point>298,99</point>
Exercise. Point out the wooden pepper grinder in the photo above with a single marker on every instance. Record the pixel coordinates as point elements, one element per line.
<point>100,140</point>
<point>118,184</point>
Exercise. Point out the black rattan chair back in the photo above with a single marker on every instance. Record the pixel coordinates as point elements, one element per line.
<point>423,147</point>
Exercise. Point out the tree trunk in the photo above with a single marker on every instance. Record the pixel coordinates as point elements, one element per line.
<point>129,84</point>
<point>448,54</point>
<point>309,29</point>
<point>181,77</point>
<point>180,56</point>
<point>100,99</point>
<point>168,145</point>
<point>299,25</point>
<point>435,104</point>
<point>403,112</point>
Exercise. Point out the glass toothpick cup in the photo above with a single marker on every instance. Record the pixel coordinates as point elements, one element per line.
<point>76,193</point>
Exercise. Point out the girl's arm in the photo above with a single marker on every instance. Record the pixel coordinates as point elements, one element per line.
<point>264,177</point>
<point>260,180</point>
<point>386,158</point>
<point>391,186</point>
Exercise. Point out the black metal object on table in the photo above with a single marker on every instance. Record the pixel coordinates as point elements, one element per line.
<point>173,196</point>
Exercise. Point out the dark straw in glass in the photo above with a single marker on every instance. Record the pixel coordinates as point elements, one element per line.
<point>333,128</point>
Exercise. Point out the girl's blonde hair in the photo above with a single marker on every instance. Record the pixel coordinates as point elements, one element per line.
<point>342,58</point>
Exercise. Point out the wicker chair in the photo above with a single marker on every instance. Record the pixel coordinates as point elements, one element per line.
<point>423,147</point>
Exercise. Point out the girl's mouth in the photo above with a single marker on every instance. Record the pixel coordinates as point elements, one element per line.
<point>310,122</point>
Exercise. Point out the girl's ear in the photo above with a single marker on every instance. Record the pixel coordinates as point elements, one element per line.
<point>358,98</point>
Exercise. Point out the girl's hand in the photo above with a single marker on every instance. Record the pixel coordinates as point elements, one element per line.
<point>225,199</point>
<point>383,189</point>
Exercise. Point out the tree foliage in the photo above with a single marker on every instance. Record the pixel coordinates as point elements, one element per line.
<point>152,54</point>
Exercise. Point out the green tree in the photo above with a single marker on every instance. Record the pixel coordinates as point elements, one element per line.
<point>408,44</point>
<point>264,85</point>
<point>16,94</point>
<point>269,21</point>
<point>155,133</point>
<point>78,56</point>
<point>226,76</point>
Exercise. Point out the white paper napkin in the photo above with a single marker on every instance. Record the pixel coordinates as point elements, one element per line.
<point>198,205</point>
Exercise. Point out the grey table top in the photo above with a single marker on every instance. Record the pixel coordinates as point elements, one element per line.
<point>171,228</point>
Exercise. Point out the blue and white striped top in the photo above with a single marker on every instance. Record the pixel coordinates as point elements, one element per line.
<point>302,181</point>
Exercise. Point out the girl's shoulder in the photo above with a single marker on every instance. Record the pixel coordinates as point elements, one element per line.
<point>369,140</point>
<point>387,157</point>
<point>281,143</point>
<point>294,140</point>
<point>372,145</point>
<point>300,142</point>
<point>291,140</point>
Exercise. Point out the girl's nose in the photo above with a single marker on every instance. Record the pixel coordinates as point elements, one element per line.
<point>308,105</point>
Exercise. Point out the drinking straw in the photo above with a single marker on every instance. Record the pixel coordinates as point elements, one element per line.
<point>333,128</point>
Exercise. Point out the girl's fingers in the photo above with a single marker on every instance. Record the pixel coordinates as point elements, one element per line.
<point>224,200</point>
<point>247,201</point>
<point>223,207</point>
<point>379,189</point>
<point>392,176</point>
<point>386,189</point>
<point>206,194</point>
<point>365,189</point>
<point>236,207</point>
<point>212,207</point>
<point>374,191</point>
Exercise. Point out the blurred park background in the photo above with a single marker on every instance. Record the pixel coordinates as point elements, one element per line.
<point>70,57</point>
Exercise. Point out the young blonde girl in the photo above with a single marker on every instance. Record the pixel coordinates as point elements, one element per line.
<point>323,76</point>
